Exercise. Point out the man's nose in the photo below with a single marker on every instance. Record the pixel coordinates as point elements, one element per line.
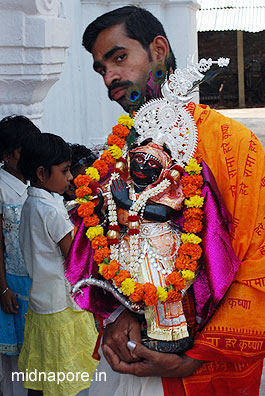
<point>111,77</point>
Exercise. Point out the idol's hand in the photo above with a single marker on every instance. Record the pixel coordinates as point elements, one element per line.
<point>116,335</point>
<point>100,203</point>
<point>152,364</point>
<point>121,194</point>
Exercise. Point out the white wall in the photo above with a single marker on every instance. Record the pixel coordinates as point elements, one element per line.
<point>77,106</point>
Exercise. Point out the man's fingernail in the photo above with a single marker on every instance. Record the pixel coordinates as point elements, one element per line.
<point>131,345</point>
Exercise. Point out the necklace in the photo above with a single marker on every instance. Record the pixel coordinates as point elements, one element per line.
<point>107,248</point>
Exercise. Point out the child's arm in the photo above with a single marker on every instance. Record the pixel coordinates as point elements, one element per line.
<point>7,299</point>
<point>65,244</point>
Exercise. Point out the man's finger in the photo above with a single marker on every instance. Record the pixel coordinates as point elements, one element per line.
<point>114,360</point>
<point>142,352</point>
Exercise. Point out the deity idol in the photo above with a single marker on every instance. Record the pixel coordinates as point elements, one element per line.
<point>150,251</point>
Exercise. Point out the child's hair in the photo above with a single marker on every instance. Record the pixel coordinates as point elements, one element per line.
<point>43,150</point>
<point>13,130</point>
<point>81,155</point>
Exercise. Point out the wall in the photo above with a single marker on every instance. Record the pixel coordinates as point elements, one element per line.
<point>77,106</point>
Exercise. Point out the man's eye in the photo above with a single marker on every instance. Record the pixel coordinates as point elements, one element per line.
<point>120,57</point>
<point>139,160</point>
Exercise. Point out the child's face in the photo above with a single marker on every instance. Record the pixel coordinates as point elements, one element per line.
<point>70,191</point>
<point>59,179</point>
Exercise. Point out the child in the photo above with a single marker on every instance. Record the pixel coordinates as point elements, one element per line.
<point>58,336</point>
<point>82,158</point>
<point>14,279</point>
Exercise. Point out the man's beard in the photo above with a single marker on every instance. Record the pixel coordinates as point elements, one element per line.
<point>126,101</point>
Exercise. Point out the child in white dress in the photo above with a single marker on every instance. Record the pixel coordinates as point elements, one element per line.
<point>59,337</point>
<point>14,279</point>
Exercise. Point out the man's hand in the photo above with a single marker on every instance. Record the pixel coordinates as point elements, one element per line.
<point>8,302</point>
<point>116,335</point>
<point>152,364</point>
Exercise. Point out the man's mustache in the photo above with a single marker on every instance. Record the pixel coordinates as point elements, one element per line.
<point>124,84</point>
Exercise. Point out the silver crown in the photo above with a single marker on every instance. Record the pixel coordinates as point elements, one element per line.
<point>166,120</point>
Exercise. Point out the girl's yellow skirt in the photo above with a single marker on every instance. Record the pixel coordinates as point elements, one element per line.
<point>56,356</point>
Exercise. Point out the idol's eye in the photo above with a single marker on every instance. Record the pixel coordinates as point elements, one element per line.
<point>139,159</point>
<point>152,164</point>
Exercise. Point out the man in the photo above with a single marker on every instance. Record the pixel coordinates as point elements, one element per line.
<point>226,359</point>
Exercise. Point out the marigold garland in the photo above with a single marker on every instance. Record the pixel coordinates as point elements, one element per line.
<point>189,251</point>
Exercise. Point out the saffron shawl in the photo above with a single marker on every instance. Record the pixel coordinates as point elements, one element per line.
<point>232,343</point>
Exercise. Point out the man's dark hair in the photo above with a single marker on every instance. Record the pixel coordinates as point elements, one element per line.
<point>44,150</point>
<point>139,25</point>
<point>13,130</point>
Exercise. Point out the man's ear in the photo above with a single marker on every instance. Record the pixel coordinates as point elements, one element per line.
<point>42,174</point>
<point>159,49</point>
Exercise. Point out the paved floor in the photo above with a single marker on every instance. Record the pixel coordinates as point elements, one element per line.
<point>254,119</point>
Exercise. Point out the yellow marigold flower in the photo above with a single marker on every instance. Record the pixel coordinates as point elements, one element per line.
<point>193,166</point>
<point>125,120</point>
<point>194,202</point>
<point>100,267</point>
<point>115,151</point>
<point>187,274</point>
<point>128,286</point>
<point>93,232</point>
<point>93,173</point>
<point>190,238</point>
<point>82,200</point>
<point>161,293</point>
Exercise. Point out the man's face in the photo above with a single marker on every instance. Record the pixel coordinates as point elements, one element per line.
<point>122,62</point>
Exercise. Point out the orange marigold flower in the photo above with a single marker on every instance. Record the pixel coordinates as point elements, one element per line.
<point>197,180</point>
<point>110,270</point>
<point>114,139</point>
<point>108,158</point>
<point>183,262</point>
<point>192,226</point>
<point>120,130</point>
<point>138,293</point>
<point>99,241</point>
<point>82,191</point>
<point>82,180</point>
<point>150,296</point>
<point>193,251</point>
<point>173,296</point>
<point>191,189</point>
<point>123,274</point>
<point>176,280</point>
<point>191,265</point>
<point>193,213</point>
<point>91,221</point>
<point>102,167</point>
<point>86,209</point>
<point>100,254</point>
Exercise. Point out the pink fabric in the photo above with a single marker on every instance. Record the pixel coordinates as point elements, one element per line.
<point>79,265</point>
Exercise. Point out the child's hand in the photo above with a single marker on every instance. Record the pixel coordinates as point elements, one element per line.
<point>8,302</point>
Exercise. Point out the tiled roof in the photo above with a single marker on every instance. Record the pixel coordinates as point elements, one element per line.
<point>220,15</point>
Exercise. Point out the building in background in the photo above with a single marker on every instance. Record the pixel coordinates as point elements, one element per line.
<point>41,43</point>
<point>234,29</point>
<point>77,106</point>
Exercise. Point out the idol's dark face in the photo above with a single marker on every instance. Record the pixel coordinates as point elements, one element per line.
<point>145,169</point>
